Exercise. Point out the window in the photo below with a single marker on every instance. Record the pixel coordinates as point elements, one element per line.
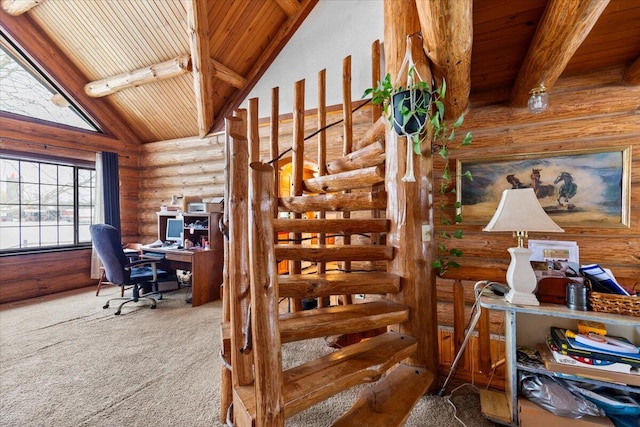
<point>25,90</point>
<point>44,204</point>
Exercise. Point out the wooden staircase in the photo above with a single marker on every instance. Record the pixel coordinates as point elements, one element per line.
<point>255,390</point>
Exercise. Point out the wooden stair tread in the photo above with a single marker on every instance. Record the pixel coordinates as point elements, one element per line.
<point>334,202</point>
<point>347,180</point>
<point>312,382</point>
<point>369,155</point>
<point>341,319</point>
<point>332,225</point>
<point>326,253</point>
<point>320,285</point>
<point>389,401</point>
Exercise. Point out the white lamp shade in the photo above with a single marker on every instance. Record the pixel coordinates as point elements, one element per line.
<point>519,210</point>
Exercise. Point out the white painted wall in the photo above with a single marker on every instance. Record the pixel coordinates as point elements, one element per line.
<point>333,30</point>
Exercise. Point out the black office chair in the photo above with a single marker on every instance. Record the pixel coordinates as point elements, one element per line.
<point>121,272</point>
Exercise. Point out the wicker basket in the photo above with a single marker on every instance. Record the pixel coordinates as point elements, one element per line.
<point>612,303</point>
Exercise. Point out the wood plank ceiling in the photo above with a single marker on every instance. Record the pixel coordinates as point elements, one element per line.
<point>122,45</point>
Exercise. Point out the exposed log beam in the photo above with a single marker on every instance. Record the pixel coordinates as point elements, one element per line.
<point>563,27</point>
<point>447,38</point>
<point>50,137</point>
<point>51,59</point>
<point>18,7</point>
<point>198,31</point>
<point>141,76</point>
<point>290,7</point>
<point>226,74</point>
<point>266,58</point>
<point>632,73</point>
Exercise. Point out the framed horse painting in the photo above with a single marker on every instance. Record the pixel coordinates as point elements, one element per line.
<point>576,188</point>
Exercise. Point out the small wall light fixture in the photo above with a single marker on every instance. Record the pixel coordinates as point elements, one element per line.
<point>539,99</point>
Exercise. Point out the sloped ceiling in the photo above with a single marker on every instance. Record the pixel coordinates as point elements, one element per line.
<point>229,44</point>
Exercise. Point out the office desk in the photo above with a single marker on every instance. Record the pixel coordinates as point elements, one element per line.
<point>205,266</point>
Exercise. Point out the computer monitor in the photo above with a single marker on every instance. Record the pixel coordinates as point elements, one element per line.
<point>175,228</point>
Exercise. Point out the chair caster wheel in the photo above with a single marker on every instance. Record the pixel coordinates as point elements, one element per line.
<point>116,313</point>
<point>105,306</point>
<point>153,307</point>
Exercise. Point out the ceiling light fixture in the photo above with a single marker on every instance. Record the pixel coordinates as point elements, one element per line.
<point>539,99</point>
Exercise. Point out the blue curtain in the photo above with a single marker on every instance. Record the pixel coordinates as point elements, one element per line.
<point>111,189</point>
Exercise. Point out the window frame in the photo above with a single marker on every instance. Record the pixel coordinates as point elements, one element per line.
<point>77,165</point>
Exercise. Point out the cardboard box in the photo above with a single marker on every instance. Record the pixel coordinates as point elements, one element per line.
<point>531,415</point>
<point>215,207</point>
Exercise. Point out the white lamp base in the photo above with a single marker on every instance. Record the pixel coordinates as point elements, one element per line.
<point>521,278</point>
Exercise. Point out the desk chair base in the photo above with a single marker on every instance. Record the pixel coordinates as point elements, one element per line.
<point>134,298</point>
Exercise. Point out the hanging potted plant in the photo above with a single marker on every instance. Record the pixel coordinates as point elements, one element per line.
<point>417,111</point>
<point>407,107</point>
<point>410,109</point>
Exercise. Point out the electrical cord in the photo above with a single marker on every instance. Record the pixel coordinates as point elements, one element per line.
<point>450,402</point>
<point>472,323</point>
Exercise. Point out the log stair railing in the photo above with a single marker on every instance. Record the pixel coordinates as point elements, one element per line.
<point>256,391</point>
<point>378,359</point>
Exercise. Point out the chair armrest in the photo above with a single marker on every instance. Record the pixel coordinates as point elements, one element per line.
<point>151,258</point>
<point>142,262</point>
<point>152,262</point>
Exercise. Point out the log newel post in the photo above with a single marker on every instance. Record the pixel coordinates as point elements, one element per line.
<point>238,243</point>
<point>269,386</point>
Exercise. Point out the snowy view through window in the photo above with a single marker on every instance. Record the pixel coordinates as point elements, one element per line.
<point>24,94</point>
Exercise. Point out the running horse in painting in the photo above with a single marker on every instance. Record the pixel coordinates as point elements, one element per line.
<point>568,188</point>
<point>541,190</point>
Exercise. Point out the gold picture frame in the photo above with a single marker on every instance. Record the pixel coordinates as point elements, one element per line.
<point>580,188</point>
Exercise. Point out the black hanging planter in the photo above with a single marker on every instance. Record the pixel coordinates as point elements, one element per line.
<point>415,120</point>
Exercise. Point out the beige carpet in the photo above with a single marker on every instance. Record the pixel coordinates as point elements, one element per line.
<point>64,361</point>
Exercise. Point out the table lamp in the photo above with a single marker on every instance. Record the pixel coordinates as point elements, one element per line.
<point>520,212</point>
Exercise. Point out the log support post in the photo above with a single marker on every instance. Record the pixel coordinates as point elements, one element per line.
<point>408,205</point>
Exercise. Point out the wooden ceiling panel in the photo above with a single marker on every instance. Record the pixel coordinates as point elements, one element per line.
<point>110,38</point>
<point>268,20</point>
<point>502,32</point>
<point>614,39</point>
<point>222,20</point>
<point>248,36</point>
<point>493,19</point>
<point>106,38</point>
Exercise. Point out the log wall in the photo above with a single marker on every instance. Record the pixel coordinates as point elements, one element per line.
<point>588,112</point>
<point>189,167</point>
